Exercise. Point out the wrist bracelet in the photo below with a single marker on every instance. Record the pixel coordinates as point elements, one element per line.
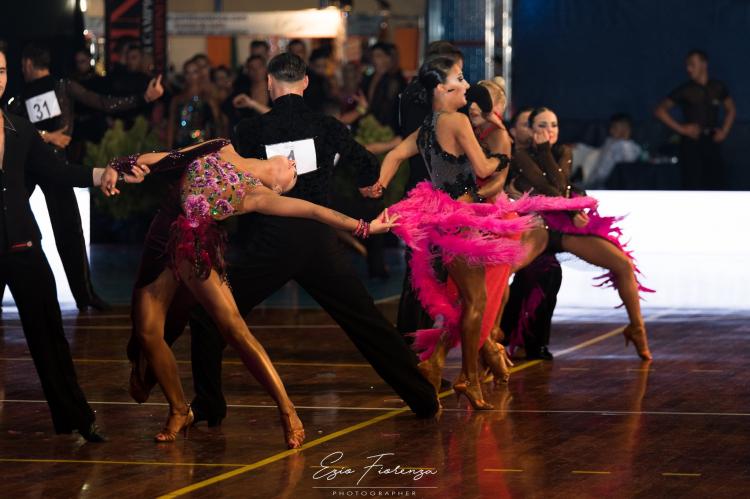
<point>363,229</point>
<point>504,161</point>
<point>124,165</point>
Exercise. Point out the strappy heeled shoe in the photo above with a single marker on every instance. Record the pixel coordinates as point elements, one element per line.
<point>166,435</point>
<point>637,334</point>
<point>473,393</point>
<point>293,431</point>
<point>496,359</point>
<point>432,370</point>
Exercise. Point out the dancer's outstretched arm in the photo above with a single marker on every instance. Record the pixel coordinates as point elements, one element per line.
<point>405,150</point>
<point>266,201</point>
<point>133,167</point>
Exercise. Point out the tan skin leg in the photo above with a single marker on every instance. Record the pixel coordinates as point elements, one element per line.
<point>470,281</point>
<point>150,305</point>
<point>602,253</point>
<point>216,297</point>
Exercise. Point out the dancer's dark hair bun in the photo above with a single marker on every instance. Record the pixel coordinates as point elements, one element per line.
<point>434,72</point>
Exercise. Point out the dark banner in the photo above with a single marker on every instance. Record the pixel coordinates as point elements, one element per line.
<point>137,21</point>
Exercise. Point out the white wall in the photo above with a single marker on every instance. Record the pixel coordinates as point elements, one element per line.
<point>39,208</point>
<point>692,247</point>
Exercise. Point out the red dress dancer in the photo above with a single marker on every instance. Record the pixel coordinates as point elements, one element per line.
<point>439,227</point>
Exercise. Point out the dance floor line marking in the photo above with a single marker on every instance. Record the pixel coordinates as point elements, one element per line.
<point>281,455</point>
<point>502,470</point>
<point>602,412</point>
<point>588,472</point>
<point>129,463</point>
<point>225,362</point>
<point>682,474</point>
<point>276,457</point>
<point>82,327</point>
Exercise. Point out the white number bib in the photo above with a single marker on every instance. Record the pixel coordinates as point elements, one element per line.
<point>301,151</point>
<point>43,107</point>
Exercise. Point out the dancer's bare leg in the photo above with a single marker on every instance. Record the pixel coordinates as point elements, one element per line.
<point>150,305</point>
<point>602,253</point>
<point>216,297</point>
<point>534,242</point>
<point>470,281</point>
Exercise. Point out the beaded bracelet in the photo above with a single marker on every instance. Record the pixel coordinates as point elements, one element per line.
<point>503,163</point>
<point>363,229</point>
<point>124,165</point>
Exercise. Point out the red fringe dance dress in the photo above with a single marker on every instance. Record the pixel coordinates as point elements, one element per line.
<point>437,228</point>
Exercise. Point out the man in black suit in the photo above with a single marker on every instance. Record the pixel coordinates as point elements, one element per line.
<point>281,249</point>
<point>23,266</point>
<point>49,103</point>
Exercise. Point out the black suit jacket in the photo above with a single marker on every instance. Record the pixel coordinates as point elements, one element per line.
<point>291,119</point>
<point>28,158</point>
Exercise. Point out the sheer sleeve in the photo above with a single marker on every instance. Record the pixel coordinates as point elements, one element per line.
<point>173,161</point>
<point>100,102</point>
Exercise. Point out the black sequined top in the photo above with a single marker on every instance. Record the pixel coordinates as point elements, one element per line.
<point>449,173</point>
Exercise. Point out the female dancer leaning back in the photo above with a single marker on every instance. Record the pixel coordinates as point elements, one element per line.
<point>439,221</point>
<point>543,169</point>
<point>210,182</point>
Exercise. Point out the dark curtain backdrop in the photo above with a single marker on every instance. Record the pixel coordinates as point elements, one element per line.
<point>56,23</point>
<point>588,59</point>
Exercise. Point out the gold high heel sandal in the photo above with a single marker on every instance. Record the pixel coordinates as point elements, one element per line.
<point>432,371</point>
<point>468,389</point>
<point>294,435</point>
<point>637,334</point>
<point>496,359</point>
<point>166,435</point>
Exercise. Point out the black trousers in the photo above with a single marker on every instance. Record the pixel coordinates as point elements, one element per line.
<point>71,245</point>
<point>284,249</point>
<point>702,164</point>
<point>411,315</point>
<point>543,275</point>
<point>30,279</point>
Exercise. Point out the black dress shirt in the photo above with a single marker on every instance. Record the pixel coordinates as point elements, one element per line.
<point>291,119</point>
<point>700,104</point>
<point>26,155</point>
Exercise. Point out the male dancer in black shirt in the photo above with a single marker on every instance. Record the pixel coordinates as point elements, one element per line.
<point>700,100</point>
<point>23,266</point>
<point>282,249</point>
<point>48,102</point>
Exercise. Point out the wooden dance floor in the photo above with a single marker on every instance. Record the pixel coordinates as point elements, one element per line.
<point>596,422</point>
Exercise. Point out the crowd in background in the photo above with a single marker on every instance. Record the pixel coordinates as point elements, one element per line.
<point>204,101</point>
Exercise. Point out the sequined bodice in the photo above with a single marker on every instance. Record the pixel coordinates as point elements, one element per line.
<point>213,188</point>
<point>449,173</point>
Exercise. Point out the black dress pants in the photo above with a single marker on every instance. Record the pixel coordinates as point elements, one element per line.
<point>284,249</point>
<point>702,164</point>
<point>411,315</point>
<point>542,275</point>
<point>71,245</point>
<point>32,284</point>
